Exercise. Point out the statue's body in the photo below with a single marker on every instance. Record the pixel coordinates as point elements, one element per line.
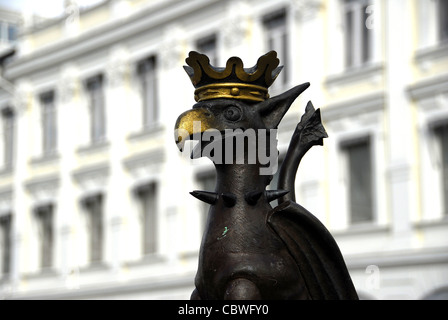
<point>249,249</point>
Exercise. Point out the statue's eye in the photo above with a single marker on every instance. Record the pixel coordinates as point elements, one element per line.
<point>232,113</point>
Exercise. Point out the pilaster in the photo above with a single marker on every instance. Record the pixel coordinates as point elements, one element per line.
<point>67,96</point>
<point>21,103</point>
<point>400,151</point>
<point>117,196</point>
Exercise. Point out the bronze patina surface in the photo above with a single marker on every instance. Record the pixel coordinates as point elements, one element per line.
<point>251,250</point>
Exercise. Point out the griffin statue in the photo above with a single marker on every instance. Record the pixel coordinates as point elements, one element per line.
<point>251,250</point>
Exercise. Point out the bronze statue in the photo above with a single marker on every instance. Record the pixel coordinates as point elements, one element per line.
<point>250,250</point>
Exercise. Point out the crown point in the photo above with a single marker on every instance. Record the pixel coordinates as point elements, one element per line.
<point>234,81</point>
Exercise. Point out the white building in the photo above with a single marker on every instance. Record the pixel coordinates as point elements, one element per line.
<point>94,195</point>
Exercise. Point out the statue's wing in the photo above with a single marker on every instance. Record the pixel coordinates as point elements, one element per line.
<point>309,132</point>
<point>314,250</point>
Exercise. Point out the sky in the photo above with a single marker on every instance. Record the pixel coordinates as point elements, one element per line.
<point>44,8</point>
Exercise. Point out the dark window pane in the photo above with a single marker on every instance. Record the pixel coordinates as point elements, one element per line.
<point>366,36</point>
<point>360,181</point>
<point>209,47</point>
<point>148,88</point>
<point>49,133</point>
<point>97,109</point>
<point>443,19</point>
<point>357,35</point>
<point>94,210</point>
<point>5,243</point>
<point>12,33</point>
<point>349,60</point>
<point>442,136</point>
<point>45,219</point>
<point>148,202</point>
<point>275,20</point>
<point>8,136</point>
<point>275,25</point>
<point>285,57</point>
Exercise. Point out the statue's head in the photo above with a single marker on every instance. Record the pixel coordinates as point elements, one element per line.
<point>233,98</point>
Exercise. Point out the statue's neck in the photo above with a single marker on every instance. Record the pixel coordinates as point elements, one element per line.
<point>240,178</point>
<point>245,167</point>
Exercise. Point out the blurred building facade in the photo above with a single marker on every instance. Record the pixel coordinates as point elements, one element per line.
<point>94,195</point>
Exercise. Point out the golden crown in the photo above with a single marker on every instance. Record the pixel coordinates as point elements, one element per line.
<point>233,81</point>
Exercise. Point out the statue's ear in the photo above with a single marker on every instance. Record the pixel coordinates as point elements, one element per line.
<point>273,109</point>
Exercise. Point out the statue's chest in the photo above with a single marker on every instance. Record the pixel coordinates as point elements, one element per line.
<point>242,229</point>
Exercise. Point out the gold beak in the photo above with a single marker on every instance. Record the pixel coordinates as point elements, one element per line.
<point>192,122</point>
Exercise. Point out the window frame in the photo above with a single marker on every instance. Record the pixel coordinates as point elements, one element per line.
<point>8,122</point>
<point>45,226</point>
<point>277,35</point>
<point>345,147</point>
<point>358,51</point>
<point>442,23</point>
<point>147,196</point>
<point>48,122</point>
<point>208,45</point>
<point>148,86</point>
<point>442,155</point>
<point>94,210</point>
<point>6,244</point>
<point>97,108</point>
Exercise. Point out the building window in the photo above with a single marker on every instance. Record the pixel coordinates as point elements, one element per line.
<point>359,179</point>
<point>8,137</point>
<point>44,216</point>
<point>209,47</point>
<point>49,123</point>
<point>8,32</point>
<point>358,38</point>
<point>276,31</point>
<point>443,20</point>
<point>207,182</point>
<point>147,196</point>
<point>442,139</point>
<point>94,216</point>
<point>95,91</point>
<point>147,74</point>
<point>12,33</point>
<point>5,244</point>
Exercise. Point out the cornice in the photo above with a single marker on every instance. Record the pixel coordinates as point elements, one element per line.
<point>428,87</point>
<point>357,105</point>
<point>92,179</point>
<point>422,256</point>
<point>305,10</point>
<point>367,72</point>
<point>428,55</point>
<point>43,189</point>
<point>88,172</point>
<point>39,182</point>
<point>111,289</point>
<point>144,159</point>
<point>102,36</point>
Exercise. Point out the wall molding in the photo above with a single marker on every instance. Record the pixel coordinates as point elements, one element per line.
<point>428,87</point>
<point>354,106</point>
<point>393,259</point>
